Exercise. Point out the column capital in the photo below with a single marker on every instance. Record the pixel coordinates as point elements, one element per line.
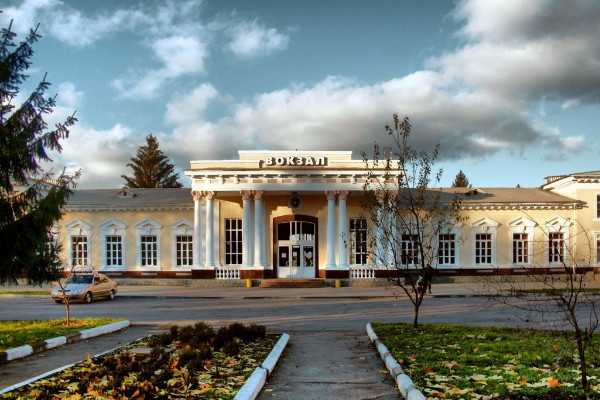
<point>197,195</point>
<point>209,195</point>
<point>343,194</point>
<point>246,194</point>
<point>330,194</point>
<point>258,194</point>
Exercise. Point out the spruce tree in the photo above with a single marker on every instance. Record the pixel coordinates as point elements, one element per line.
<point>151,168</point>
<point>460,180</point>
<point>30,198</point>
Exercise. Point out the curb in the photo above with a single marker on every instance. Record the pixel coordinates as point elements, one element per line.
<point>257,380</point>
<point>407,388</point>
<point>24,351</point>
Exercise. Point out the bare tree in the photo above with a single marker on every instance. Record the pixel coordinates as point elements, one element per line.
<point>553,293</point>
<point>408,213</point>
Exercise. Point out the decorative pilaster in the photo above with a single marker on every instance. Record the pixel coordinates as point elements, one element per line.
<point>259,235</point>
<point>342,230</point>
<point>330,229</point>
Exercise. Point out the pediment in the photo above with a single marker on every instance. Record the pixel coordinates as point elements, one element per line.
<point>485,222</point>
<point>148,224</point>
<point>113,224</point>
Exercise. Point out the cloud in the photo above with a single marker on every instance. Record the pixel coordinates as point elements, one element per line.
<point>250,39</point>
<point>189,108</point>
<point>179,56</point>
<point>69,96</point>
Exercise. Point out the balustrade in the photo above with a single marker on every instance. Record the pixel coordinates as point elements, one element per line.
<point>227,273</point>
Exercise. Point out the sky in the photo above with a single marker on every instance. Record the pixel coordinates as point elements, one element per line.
<point>509,89</point>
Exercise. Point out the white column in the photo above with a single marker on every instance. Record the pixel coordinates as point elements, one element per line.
<point>259,242</point>
<point>196,244</point>
<point>210,256</point>
<point>342,230</point>
<point>246,231</point>
<point>330,229</point>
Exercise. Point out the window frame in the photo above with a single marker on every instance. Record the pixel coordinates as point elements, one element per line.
<point>234,246</point>
<point>113,227</point>
<point>485,226</point>
<point>521,226</point>
<point>78,228</point>
<point>182,227</point>
<point>362,242</point>
<point>147,228</point>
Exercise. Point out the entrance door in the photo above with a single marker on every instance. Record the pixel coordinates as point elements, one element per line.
<point>296,260</point>
<point>296,249</point>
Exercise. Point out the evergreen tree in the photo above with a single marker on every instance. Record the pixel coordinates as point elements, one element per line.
<point>30,198</point>
<point>151,168</point>
<point>460,180</point>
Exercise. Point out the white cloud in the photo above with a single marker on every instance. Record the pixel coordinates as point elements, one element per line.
<point>69,96</point>
<point>178,55</point>
<point>188,109</point>
<point>250,39</point>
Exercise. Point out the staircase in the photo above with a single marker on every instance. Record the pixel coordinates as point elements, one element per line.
<point>293,283</point>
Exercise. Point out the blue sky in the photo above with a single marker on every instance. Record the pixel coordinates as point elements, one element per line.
<point>510,88</point>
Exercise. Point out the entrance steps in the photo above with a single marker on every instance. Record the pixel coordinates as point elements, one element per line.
<point>293,283</point>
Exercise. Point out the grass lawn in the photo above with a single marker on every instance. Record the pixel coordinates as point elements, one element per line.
<point>19,333</point>
<point>469,362</point>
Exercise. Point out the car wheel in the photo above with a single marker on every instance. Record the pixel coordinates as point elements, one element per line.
<point>111,295</point>
<point>88,297</point>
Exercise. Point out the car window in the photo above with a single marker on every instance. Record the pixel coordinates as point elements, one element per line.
<point>80,279</point>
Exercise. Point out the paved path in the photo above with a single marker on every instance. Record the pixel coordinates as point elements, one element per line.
<point>329,365</point>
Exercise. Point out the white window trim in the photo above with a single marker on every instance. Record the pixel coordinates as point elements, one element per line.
<point>147,227</point>
<point>560,225</point>
<point>79,228</point>
<point>522,225</point>
<point>485,225</point>
<point>182,227</point>
<point>456,231</point>
<point>225,239</point>
<point>113,227</point>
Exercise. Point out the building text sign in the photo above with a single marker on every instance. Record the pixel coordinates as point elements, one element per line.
<point>295,161</point>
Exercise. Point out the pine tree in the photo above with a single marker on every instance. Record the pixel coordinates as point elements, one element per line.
<point>460,180</point>
<point>151,168</point>
<point>30,198</point>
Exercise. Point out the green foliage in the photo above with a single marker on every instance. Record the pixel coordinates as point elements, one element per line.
<point>151,168</point>
<point>460,180</point>
<point>30,198</point>
<point>455,362</point>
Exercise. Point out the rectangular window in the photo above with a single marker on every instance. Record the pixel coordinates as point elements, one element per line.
<point>598,206</point>
<point>358,241</point>
<point>598,249</point>
<point>483,248</point>
<point>149,250</point>
<point>446,249</point>
<point>233,241</point>
<point>520,251</point>
<point>556,245</point>
<point>184,250</point>
<point>114,251</point>
<point>410,249</point>
<point>79,250</point>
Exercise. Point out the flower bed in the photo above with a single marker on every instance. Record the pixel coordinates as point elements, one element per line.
<point>190,362</point>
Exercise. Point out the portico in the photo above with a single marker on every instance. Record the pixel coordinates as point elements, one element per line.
<point>292,208</point>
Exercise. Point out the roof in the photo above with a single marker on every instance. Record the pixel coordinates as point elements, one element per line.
<point>576,175</point>
<point>117,199</point>
<point>517,195</point>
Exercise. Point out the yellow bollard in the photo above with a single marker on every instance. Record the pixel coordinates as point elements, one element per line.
<point>248,283</point>
<point>338,283</point>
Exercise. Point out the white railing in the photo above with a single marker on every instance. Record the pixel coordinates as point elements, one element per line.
<point>362,272</point>
<point>227,273</point>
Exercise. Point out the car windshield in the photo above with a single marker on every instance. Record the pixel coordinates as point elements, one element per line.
<point>80,279</point>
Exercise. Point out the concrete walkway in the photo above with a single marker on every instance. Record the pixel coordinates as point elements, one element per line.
<point>330,365</point>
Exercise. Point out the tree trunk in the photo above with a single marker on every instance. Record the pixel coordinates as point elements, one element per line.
<point>416,316</point>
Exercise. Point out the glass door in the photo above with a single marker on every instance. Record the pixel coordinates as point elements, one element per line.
<point>295,249</point>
